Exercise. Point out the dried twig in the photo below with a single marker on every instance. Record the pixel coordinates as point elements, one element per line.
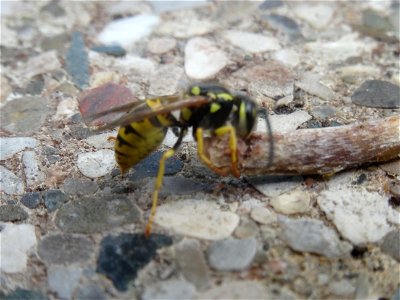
<point>314,151</point>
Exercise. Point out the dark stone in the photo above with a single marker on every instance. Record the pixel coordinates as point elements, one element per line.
<point>391,244</point>
<point>91,291</point>
<point>22,294</point>
<point>65,249</point>
<point>149,166</point>
<point>377,93</point>
<point>76,61</point>
<point>113,50</point>
<point>394,201</point>
<point>122,256</point>
<point>31,200</point>
<point>12,213</point>
<point>178,185</point>
<point>54,8</point>
<point>35,85</point>
<point>80,133</point>
<point>361,179</point>
<point>268,4</point>
<point>358,252</point>
<point>54,199</point>
<point>91,215</point>
<point>284,24</point>
<point>75,186</point>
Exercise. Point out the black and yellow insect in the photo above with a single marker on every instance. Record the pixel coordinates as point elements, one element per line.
<point>210,110</point>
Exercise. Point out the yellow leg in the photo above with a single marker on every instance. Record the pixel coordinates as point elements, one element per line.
<point>157,187</point>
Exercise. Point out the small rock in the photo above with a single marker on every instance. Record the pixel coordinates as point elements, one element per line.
<point>54,199</point>
<point>203,60</point>
<point>91,290</point>
<point>246,229</point>
<point>342,288</point>
<point>376,25</point>
<point>391,244</point>
<point>46,62</point>
<point>307,235</point>
<point>113,50</point>
<point>96,164</point>
<point>35,86</point>
<point>392,168</point>
<point>24,116</point>
<point>318,15</point>
<point>12,213</point>
<point>309,82</point>
<point>127,31</point>
<point>63,280</point>
<point>16,241</point>
<point>102,141</point>
<point>5,89</point>
<point>285,25</point>
<point>273,186</point>
<point>362,287</point>
<point>353,73</point>
<point>235,289</point>
<point>161,45</point>
<point>263,215</point>
<point>178,185</point>
<point>91,215</point>
<point>77,62</point>
<point>294,202</point>
<point>191,262</point>
<point>232,255</point>
<point>56,42</point>
<point>288,57</point>
<point>66,108</point>
<point>165,81</point>
<point>161,6</point>
<point>197,218</point>
<point>54,8</point>
<point>122,256</point>
<point>377,93</point>
<point>65,249</point>
<point>286,123</point>
<point>13,145</point>
<point>10,183</point>
<point>33,175</point>
<point>396,295</point>
<point>251,42</point>
<point>169,289</point>
<point>73,186</point>
<point>268,4</point>
<point>323,112</point>
<point>31,200</point>
<point>24,294</point>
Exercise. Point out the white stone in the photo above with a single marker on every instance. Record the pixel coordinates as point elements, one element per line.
<point>310,83</point>
<point>363,71</point>
<point>263,215</point>
<point>63,280</point>
<point>169,289</point>
<point>102,141</point>
<point>273,186</point>
<point>294,202</point>
<point>359,215</point>
<point>16,241</point>
<point>161,45</point>
<point>12,145</point>
<point>33,175</point>
<point>317,14</point>
<point>126,32</point>
<point>197,218</point>
<point>65,109</point>
<point>251,42</point>
<point>43,63</point>
<point>96,164</point>
<point>288,57</point>
<point>203,59</point>
<point>10,183</point>
<point>284,123</point>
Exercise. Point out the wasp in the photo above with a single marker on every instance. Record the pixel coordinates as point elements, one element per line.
<point>210,110</point>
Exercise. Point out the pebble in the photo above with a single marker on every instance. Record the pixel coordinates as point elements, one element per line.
<point>310,83</point>
<point>16,242</point>
<point>66,108</point>
<point>161,6</point>
<point>353,73</point>
<point>102,141</point>
<point>232,254</point>
<point>263,215</point>
<point>43,63</point>
<point>33,175</point>
<point>287,57</point>
<point>54,199</point>
<point>169,289</point>
<point>74,186</point>
<point>55,42</point>
<point>35,86</point>
<point>65,249</point>
<point>203,59</point>
<point>377,93</point>
<point>54,8</point>
<point>364,219</point>
<point>13,145</point>
<point>96,214</point>
<point>285,25</point>
<point>246,229</point>
<point>268,4</point>
<point>272,186</point>
<point>12,213</point>
<point>179,185</point>
<point>127,31</point>
<point>308,235</point>
<point>396,295</point>
<point>96,164</point>
<point>31,200</point>
<point>165,81</point>
<point>293,202</point>
<point>77,62</point>
<point>235,289</point>
<point>251,42</point>
<point>10,183</point>
<point>161,45</point>
<point>318,15</point>
<point>25,115</point>
<point>391,244</point>
<point>190,261</point>
<point>19,293</point>
<point>375,24</point>
<point>5,89</point>
<point>113,50</point>
<point>323,112</point>
<point>63,280</point>
<point>122,256</point>
<point>91,290</point>
<point>290,122</point>
<point>392,168</point>
<point>342,288</point>
<point>197,218</point>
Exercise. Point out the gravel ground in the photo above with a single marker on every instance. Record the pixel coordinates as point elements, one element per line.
<point>72,226</point>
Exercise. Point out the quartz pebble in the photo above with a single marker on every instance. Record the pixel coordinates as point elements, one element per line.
<point>63,279</point>
<point>263,215</point>
<point>203,59</point>
<point>10,183</point>
<point>293,202</point>
<point>96,164</point>
<point>169,289</point>
<point>102,141</point>
<point>197,218</point>
<point>251,42</point>
<point>12,145</point>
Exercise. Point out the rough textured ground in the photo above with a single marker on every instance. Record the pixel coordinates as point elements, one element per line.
<point>72,227</point>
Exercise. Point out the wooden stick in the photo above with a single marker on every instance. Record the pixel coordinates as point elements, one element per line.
<point>313,151</point>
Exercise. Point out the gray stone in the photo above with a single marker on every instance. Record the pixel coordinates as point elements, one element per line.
<point>54,8</point>
<point>76,61</point>
<point>65,249</point>
<point>33,175</point>
<point>57,42</point>
<point>273,186</point>
<point>268,4</point>
<point>31,200</point>
<point>243,289</point>
<point>12,213</point>
<point>10,183</point>
<point>90,215</point>
<point>391,244</point>
<point>247,228</point>
<point>231,254</point>
<point>22,294</point>
<point>192,264</point>
<point>342,288</point>
<point>170,289</point>
<point>53,199</point>
<point>113,50</point>
<point>377,93</point>
<point>284,24</point>
<point>310,83</point>
<point>91,291</point>
<point>396,295</point>
<point>35,86</point>
<point>323,112</point>
<point>96,164</point>
<point>74,186</point>
<point>63,280</point>
<point>307,235</point>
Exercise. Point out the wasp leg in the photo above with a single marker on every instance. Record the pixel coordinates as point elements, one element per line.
<point>111,139</point>
<point>232,146</point>
<point>204,158</point>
